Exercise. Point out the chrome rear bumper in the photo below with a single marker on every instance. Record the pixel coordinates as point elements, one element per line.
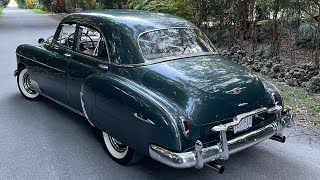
<point>198,157</point>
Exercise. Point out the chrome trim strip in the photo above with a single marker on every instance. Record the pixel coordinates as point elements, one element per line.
<point>205,155</point>
<point>84,109</point>
<point>40,63</point>
<point>62,104</point>
<point>237,119</point>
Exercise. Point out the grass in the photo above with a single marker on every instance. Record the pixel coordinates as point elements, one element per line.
<point>38,11</point>
<point>1,10</point>
<point>306,105</point>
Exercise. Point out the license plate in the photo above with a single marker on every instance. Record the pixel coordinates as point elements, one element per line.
<point>244,124</point>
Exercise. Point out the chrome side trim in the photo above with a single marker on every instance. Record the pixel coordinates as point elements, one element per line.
<point>62,104</point>
<point>84,109</point>
<point>198,156</point>
<point>40,63</point>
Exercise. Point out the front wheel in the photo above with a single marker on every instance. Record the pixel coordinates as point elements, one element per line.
<point>119,152</point>
<point>24,85</point>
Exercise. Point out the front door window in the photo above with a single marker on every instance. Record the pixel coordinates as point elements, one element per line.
<point>66,36</point>
<point>91,42</point>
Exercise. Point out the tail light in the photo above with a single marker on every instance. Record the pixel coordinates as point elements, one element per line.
<point>185,127</point>
<point>275,99</point>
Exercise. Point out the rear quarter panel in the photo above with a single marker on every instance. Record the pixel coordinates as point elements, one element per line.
<point>111,101</point>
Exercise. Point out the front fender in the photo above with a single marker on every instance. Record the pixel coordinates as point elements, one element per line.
<point>131,113</point>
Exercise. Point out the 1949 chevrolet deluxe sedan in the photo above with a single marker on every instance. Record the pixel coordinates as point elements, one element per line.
<point>154,85</point>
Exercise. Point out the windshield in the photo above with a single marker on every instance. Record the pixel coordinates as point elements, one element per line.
<point>171,43</point>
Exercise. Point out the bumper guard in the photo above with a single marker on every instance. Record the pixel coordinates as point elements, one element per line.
<point>198,157</point>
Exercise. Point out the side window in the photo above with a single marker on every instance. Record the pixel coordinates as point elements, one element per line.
<point>91,42</point>
<point>66,36</point>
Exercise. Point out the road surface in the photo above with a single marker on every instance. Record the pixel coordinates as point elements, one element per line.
<point>42,140</point>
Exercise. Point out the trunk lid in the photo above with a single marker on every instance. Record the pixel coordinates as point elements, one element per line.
<point>206,88</point>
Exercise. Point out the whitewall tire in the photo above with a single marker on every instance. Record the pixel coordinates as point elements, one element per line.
<point>119,152</point>
<point>24,85</point>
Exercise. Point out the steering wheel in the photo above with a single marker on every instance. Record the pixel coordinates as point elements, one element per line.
<point>84,43</point>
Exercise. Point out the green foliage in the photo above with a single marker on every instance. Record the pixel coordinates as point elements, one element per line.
<point>305,104</point>
<point>4,3</point>
<point>38,11</point>
<point>307,35</point>
<point>30,3</point>
<point>176,7</point>
<point>68,6</point>
<point>45,5</point>
<point>21,4</point>
<point>1,10</point>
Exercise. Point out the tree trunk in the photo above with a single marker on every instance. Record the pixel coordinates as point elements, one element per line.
<point>275,39</point>
<point>317,59</point>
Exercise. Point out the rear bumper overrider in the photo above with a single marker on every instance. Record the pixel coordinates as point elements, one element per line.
<point>221,151</point>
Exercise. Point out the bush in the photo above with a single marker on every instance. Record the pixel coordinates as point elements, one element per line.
<point>31,3</point>
<point>4,3</point>
<point>21,4</point>
<point>68,6</point>
<point>307,35</point>
<point>46,5</point>
<point>58,6</point>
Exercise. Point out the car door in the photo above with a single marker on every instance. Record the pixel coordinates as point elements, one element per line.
<point>55,82</point>
<point>90,53</point>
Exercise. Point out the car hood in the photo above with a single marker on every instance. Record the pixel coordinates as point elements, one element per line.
<point>202,87</point>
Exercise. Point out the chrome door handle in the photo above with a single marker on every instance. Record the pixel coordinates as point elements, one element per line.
<point>103,66</point>
<point>67,54</point>
<point>142,119</point>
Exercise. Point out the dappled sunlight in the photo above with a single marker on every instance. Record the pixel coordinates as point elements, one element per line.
<point>12,3</point>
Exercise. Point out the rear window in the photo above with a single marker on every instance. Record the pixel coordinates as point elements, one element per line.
<point>172,43</point>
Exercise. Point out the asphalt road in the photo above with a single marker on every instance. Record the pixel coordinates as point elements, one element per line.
<point>42,140</point>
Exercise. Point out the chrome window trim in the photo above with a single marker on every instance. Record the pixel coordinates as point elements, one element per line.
<point>175,57</point>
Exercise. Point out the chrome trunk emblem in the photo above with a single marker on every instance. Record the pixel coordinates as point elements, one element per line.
<point>236,90</point>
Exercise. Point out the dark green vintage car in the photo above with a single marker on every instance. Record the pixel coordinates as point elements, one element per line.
<point>154,85</point>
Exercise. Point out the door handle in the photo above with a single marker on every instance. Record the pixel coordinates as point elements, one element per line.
<point>103,66</point>
<point>67,55</point>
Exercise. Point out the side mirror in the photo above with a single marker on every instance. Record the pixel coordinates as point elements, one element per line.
<point>41,40</point>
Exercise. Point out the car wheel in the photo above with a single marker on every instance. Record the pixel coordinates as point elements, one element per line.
<point>24,85</point>
<point>119,152</point>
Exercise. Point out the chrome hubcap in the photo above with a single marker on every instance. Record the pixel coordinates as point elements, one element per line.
<point>27,84</point>
<point>117,145</point>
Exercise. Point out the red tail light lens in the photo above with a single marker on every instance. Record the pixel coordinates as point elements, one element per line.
<point>185,127</point>
<point>275,99</point>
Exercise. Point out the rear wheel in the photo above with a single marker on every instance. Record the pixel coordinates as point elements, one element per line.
<point>24,85</point>
<point>119,152</point>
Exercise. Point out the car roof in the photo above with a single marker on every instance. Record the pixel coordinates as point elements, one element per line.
<point>133,22</point>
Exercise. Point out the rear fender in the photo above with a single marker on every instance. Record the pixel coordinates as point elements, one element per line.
<point>130,113</point>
